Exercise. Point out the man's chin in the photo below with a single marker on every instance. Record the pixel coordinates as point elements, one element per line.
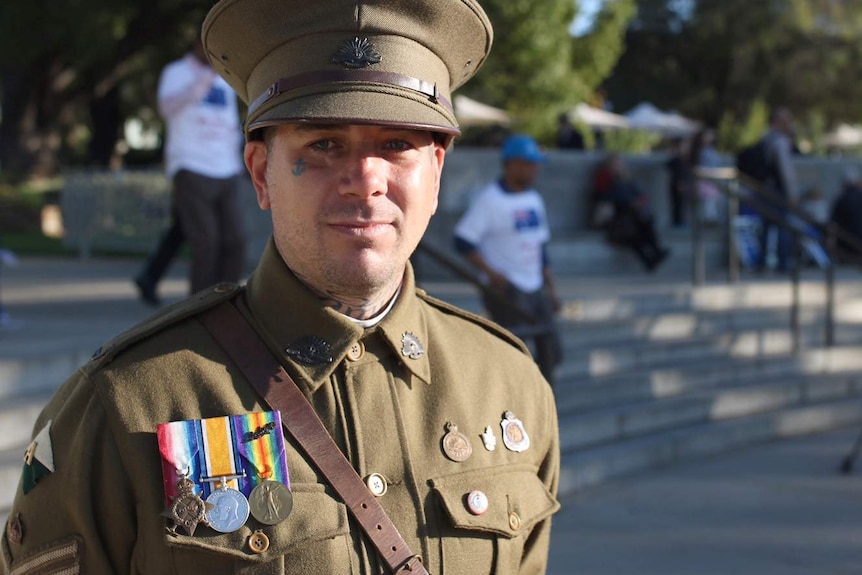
<point>369,273</point>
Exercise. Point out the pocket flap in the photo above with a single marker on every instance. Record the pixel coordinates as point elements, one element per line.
<point>517,499</point>
<point>315,516</point>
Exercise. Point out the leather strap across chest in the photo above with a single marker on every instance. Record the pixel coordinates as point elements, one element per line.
<point>236,336</point>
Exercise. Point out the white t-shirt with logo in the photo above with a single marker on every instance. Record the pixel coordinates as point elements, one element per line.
<point>203,134</point>
<point>510,230</point>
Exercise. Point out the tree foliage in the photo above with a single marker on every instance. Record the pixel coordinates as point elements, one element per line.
<point>72,71</point>
<point>536,68</point>
<point>67,70</point>
<point>719,61</point>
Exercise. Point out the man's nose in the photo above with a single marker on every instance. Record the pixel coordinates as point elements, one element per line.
<point>364,175</point>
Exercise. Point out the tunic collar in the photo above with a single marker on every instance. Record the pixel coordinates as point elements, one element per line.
<point>289,315</point>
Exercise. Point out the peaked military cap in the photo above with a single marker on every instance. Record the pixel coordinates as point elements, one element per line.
<point>385,62</point>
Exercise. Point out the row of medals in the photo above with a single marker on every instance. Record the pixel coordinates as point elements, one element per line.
<point>227,509</point>
<point>270,502</point>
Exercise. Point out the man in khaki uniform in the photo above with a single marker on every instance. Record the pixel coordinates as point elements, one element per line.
<point>147,459</point>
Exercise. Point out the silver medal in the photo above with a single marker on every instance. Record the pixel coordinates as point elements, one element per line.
<point>230,509</point>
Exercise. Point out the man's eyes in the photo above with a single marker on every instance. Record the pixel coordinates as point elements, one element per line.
<point>396,145</point>
<point>322,145</point>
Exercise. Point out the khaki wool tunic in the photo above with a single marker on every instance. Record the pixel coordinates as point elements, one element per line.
<point>101,508</point>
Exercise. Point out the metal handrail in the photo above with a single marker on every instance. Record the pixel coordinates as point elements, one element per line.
<point>786,214</point>
<point>534,326</point>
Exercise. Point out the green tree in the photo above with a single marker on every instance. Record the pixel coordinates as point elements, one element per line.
<point>536,68</point>
<point>716,61</point>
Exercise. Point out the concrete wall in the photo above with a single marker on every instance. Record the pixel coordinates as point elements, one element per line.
<point>127,210</point>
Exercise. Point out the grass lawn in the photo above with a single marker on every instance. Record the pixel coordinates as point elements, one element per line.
<point>34,243</point>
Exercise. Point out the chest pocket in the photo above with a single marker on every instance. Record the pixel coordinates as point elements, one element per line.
<point>315,533</point>
<point>516,501</point>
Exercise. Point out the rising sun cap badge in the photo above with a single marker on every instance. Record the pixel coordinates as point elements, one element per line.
<point>356,53</point>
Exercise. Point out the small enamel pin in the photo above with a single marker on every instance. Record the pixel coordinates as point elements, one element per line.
<point>515,437</point>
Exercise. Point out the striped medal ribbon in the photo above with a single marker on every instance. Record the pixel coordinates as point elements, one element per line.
<point>267,481</point>
<point>178,446</point>
<point>221,467</point>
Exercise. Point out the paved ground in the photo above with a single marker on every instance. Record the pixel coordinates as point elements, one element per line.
<point>775,509</point>
<point>772,509</point>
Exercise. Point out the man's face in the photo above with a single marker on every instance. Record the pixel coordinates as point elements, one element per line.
<point>521,173</point>
<point>349,203</point>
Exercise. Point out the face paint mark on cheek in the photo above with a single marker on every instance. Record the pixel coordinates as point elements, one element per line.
<point>299,167</point>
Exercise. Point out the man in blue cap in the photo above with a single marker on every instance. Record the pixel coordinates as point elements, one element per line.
<point>505,235</point>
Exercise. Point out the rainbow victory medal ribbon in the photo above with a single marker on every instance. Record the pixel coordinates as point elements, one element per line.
<point>179,444</point>
<point>261,449</point>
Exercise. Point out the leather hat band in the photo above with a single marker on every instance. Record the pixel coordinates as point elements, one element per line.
<point>333,76</point>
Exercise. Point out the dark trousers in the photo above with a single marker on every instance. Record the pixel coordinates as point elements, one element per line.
<point>168,248</point>
<point>783,247</point>
<point>677,205</point>
<point>209,215</point>
<point>636,231</point>
<point>544,334</point>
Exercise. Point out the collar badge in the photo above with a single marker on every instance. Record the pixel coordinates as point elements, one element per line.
<point>411,346</point>
<point>356,53</point>
<point>310,350</point>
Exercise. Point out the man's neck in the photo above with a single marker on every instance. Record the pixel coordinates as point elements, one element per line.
<point>356,307</point>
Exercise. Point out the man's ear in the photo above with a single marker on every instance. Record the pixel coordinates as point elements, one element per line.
<point>255,157</point>
<point>439,158</point>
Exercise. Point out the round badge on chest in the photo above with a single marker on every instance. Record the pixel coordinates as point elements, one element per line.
<point>456,446</point>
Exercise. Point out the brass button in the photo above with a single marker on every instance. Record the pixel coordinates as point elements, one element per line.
<point>514,521</point>
<point>377,484</point>
<point>356,351</point>
<point>258,542</point>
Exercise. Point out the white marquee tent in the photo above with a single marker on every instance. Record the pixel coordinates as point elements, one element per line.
<point>647,117</point>
<point>597,118</point>
<point>469,113</point>
<point>844,136</point>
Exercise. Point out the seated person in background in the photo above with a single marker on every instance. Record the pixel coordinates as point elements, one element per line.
<point>847,211</point>
<point>632,224</point>
<point>601,208</point>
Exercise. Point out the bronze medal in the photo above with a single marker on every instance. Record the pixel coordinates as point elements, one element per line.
<point>188,510</point>
<point>271,502</point>
<point>456,446</point>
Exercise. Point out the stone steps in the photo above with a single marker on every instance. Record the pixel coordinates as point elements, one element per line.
<point>586,430</point>
<point>657,375</point>
<point>586,467</point>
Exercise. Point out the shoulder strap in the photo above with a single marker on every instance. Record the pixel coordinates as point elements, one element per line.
<point>233,332</point>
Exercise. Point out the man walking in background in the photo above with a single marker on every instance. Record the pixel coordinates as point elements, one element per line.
<point>781,180</point>
<point>505,235</point>
<point>202,157</point>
